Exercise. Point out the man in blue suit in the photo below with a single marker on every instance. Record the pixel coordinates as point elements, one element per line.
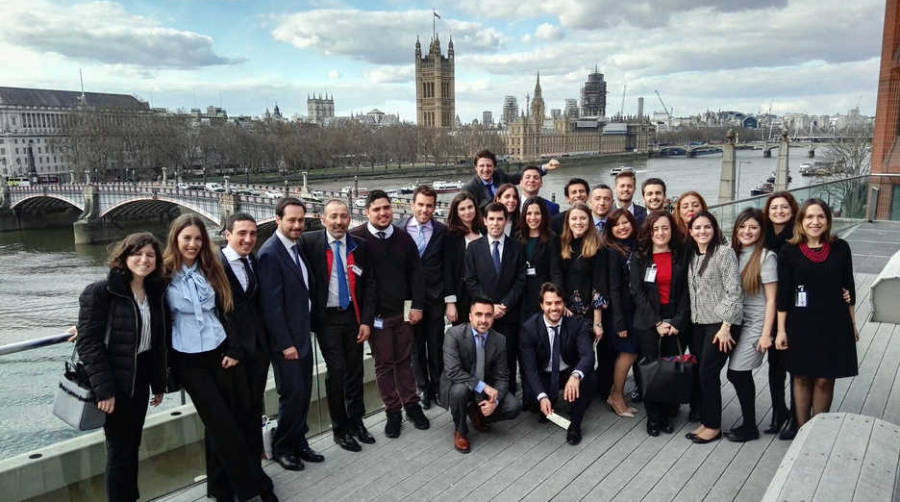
<point>625,186</point>
<point>488,178</point>
<point>531,184</point>
<point>286,282</point>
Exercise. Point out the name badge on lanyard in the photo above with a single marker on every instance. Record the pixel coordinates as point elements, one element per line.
<point>650,273</point>
<point>378,323</point>
<point>801,296</point>
<point>530,270</point>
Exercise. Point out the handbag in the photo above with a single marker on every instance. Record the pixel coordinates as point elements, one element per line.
<point>74,402</point>
<point>668,379</point>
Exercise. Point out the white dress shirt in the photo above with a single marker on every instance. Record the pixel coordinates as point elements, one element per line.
<point>388,232</point>
<point>234,260</point>
<point>491,242</point>
<point>289,245</point>
<point>333,297</point>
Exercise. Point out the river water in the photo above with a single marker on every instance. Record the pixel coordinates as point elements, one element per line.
<point>42,273</point>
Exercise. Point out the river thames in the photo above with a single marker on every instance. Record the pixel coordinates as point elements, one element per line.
<point>43,273</point>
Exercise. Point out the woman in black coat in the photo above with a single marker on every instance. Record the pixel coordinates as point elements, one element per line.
<point>122,342</point>
<point>662,305</point>
<point>541,252</point>
<point>464,225</point>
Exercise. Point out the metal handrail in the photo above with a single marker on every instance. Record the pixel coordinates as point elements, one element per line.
<point>807,187</point>
<point>12,348</point>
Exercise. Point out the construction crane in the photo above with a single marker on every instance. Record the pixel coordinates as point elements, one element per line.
<point>665,109</point>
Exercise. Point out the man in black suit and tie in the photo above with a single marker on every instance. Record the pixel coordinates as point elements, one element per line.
<point>495,269</point>
<point>475,379</point>
<point>428,341</point>
<point>285,284</point>
<point>488,178</point>
<point>531,184</point>
<point>250,347</point>
<point>558,353</point>
<point>601,203</point>
<point>343,312</point>
<point>625,186</point>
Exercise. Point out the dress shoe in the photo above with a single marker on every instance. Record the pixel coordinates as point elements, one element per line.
<point>652,428</point>
<point>776,425</point>
<point>635,396</point>
<point>419,420</point>
<point>666,426</point>
<point>289,462</point>
<point>268,496</point>
<point>310,455</point>
<point>346,441</point>
<point>477,418</point>
<point>361,434</point>
<point>742,434</point>
<point>425,401</point>
<point>573,435</point>
<point>394,424</point>
<point>694,415</point>
<point>789,432</point>
<point>461,443</point>
<point>627,413</point>
<point>699,440</point>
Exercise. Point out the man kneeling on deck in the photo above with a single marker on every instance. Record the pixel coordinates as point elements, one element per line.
<point>557,353</point>
<point>475,381</point>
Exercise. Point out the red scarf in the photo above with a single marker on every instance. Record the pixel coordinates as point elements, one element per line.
<point>816,255</point>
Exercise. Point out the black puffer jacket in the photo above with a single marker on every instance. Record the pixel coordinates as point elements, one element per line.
<point>111,367</point>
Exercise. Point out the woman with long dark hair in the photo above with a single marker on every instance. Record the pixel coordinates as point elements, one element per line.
<point>662,307</point>
<point>464,225</point>
<point>688,205</point>
<point>205,360</point>
<point>778,221</point>
<point>759,282</point>
<point>716,313</point>
<point>815,324</point>
<point>619,236</point>
<point>508,195</point>
<point>122,342</point>
<point>541,252</point>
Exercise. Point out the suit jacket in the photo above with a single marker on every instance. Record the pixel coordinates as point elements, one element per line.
<point>576,347</point>
<point>557,222</point>
<point>552,207</point>
<point>646,295</point>
<point>640,214</point>
<point>545,263</point>
<point>432,261</point>
<point>482,280</point>
<point>248,334</point>
<point>476,186</point>
<point>362,286</point>
<point>459,361</point>
<point>284,298</point>
<point>621,304</point>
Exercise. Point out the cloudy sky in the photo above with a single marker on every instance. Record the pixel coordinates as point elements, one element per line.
<point>815,56</point>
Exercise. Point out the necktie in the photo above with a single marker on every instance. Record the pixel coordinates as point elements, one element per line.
<point>343,290</point>
<point>382,235</point>
<point>251,277</point>
<point>479,357</point>
<point>420,243</point>
<point>296,252</point>
<point>495,255</point>
<point>490,187</point>
<point>600,225</point>
<point>554,361</point>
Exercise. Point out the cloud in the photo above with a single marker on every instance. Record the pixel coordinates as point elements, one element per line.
<point>105,32</point>
<point>334,74</point>
<point>547,31</point>
<point>391,74</point>
<point>380,37</point>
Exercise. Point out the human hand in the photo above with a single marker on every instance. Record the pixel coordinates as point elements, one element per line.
<point>107,405</point>
<point>415,315</point>
<point>156,400</point>
<point>546,407</point>
<point>846,296</point>
<point>672,330</point>
<point>723,339</point>
<point>781,341</point>
<point>290,353</point>
<point>487,407</point>
<point>568,313</point>
<point>72,331</point>
<point>491,393</point>
<point>229,362</point>
<point>764,343</point>
<point>662,329</point>
<point>363,334</point>
<point>450,313</point>
<point>499,310</point>
<point>623,333</point>
<point>570,393</point>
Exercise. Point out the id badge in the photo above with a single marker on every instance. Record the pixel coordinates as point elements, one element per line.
<point>650,273</point>
<point>378,323</point>
<point>801,296</point>
<point>356,270</point>
<point>530,271</point>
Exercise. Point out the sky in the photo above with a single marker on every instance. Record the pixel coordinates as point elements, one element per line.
<point>797,56</point>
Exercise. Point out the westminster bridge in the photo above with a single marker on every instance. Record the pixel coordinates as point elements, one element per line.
<point>101,212</point>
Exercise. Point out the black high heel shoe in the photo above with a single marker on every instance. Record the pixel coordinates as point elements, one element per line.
<point>776,425</point>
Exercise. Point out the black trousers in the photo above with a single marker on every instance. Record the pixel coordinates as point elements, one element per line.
<point>746,394</point>
<point>461,397</point>
<point>222,399</point>
<point>293,380</point>
<point>606,362</point>
<point>711,360</point>
<point>650,344</point>
<point>344,359</point>
<point>123,429</point>
<point>580,406</point>
<point>777,376</point>
<point>428,349</point>
<point>256,369</point>
<point>509,328</point>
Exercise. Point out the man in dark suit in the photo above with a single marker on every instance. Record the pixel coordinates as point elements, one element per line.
<point>285,284</point>
<point>343,312</point>
<point>428,234</point>
<point>495,269</point>
<point>475,379</point>
<point>393,255</point>
<point>250,347</point>
<point>531,184</point>
<point>576,190</point>
<point>488,178</point>
<point>601,203</point>
<point>653,191</point>
<point>558,353</point>
<point>625,183</point>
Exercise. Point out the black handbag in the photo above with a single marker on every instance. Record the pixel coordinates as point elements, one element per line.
<point>668,379</point>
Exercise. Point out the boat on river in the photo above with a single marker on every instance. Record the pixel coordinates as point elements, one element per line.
<point>447,186</point>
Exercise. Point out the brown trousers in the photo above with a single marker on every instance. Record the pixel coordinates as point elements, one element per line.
<point>392,349</point>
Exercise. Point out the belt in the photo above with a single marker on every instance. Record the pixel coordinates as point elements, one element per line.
<point>338,309</point>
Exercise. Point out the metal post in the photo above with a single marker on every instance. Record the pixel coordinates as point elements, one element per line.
<point>227,184</point>
<point>286,189</point>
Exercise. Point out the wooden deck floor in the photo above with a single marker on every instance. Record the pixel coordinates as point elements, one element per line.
<point>617,460</point>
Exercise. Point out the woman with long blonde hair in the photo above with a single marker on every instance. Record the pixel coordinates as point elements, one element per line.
<point>582,273</point>
<point>206,361</point>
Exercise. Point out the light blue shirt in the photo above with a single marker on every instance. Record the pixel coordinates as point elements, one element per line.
<point>192,301</point>
<point>479,387</point>
<point>413,229</point>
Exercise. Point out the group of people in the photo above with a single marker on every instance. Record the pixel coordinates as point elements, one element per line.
<point>549,308</point>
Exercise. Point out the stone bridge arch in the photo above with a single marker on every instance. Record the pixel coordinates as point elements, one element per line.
<point>157,205</point>
<point>40,200</point>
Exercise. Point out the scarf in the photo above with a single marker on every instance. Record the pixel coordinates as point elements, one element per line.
<point>195,288</point>
<point>816,255</point>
